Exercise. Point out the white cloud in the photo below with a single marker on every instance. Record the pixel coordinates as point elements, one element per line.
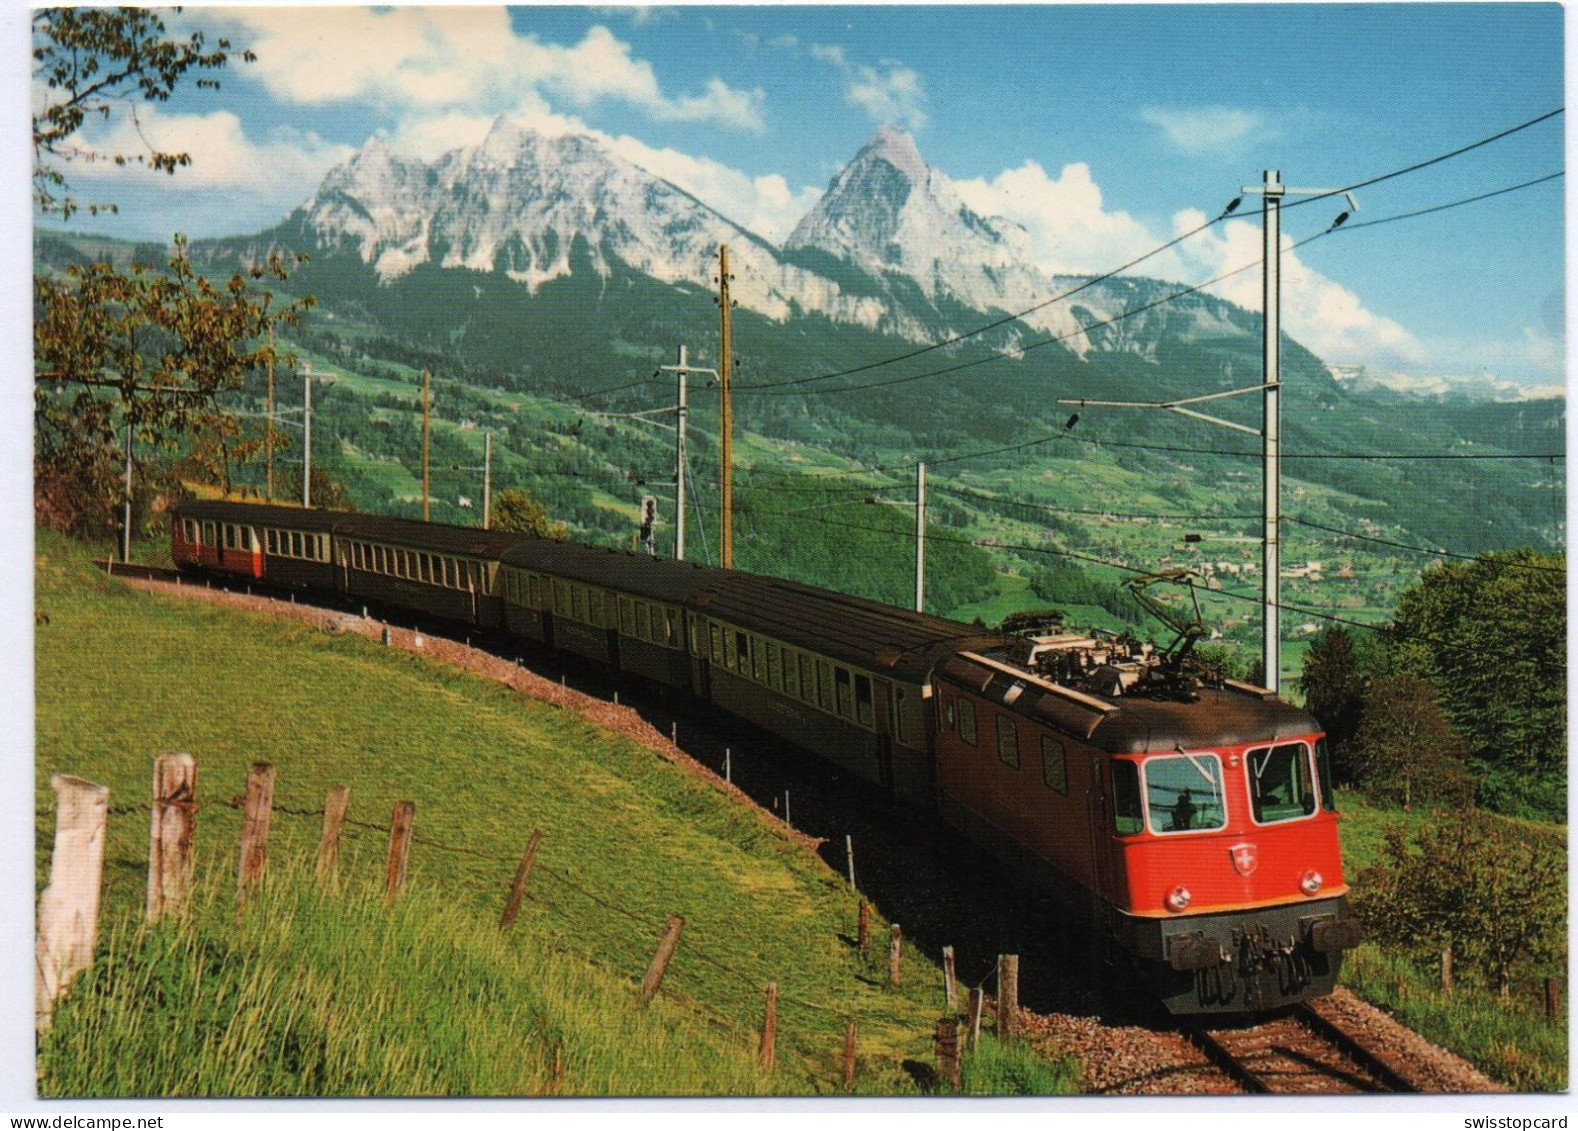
<point>765,205</point>
<point>1208,129</point>
<point>1072,232</point>
<point>1069,228</point>
<point>890,93</point>
<point>462,59</point>
<point>223,155</point>
<point>1321,314</point>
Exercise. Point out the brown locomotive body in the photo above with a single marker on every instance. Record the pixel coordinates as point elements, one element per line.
<point>1188,828</point>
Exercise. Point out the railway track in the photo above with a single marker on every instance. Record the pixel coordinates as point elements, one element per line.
<point>1299,1053</point>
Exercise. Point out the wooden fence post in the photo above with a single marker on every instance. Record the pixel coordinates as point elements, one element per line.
<point>403,817</point>
<point>335,806</point>
<point>68,911</point>
<point>895,947</point>
<point>863,934</point>
<point>401,820</point>
<point>255,819</point>
<point>1553,999</point>
<point>849,858</point>
<point>765,1051</point>
<point>522,876</point>
<point>665,951</point>
<point>1446,970</point>
<point>949,989</point>
<point>849,1057</point>
<point>170,835</point>
<point>947,1042</point>
<point>1007,997</point>
<point>973,1018</point>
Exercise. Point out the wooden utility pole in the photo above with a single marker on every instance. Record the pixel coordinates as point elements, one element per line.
<point>427,380</point>
<point>268,425</point>
<point>725,413</point>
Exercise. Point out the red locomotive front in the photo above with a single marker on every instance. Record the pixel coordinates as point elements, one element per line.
<point>1188,824</point>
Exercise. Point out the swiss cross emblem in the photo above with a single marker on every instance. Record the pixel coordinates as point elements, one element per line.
<point>1246,858</point>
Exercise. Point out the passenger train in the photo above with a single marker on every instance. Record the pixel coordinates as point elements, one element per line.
<point>1186,825</point>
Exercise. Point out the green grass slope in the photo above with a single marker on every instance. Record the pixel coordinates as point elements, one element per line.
<point>311,994</point>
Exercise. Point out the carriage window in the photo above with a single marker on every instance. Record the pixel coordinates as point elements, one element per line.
<point>627,617</point>
<point>1183,793</point>
<point>271,540</point>
<point>671,627</point>
<point>967,720</point>
<point>1054,764</point>
<point>742,654</point>
<point>898,715</point>
<point>863,701</point>
<point>1280,787</point>
<point>807,679</point>
<point>230,537</point>
<point>578,603</point>
<point>791,673</point>
<point>1328,798</point>
<point>1127,818</point>
<point>717,643</point>
<point>775,672</point>
<point>824,684</point>
<point>759,659</point>
<point>1007,742</point>
<point>846,699</point>
<point>690,628</point>
<point>643,620</point>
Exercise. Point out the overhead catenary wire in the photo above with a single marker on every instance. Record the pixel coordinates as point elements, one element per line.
<point>1173,297</point>
<point>1003,321</point>
<point>1052,551</point>
<point>1532,566</point>
<point>1175,241</point>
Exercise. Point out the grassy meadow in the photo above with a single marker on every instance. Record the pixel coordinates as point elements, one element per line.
<point>317,994</point>
<point>1508,1039</point>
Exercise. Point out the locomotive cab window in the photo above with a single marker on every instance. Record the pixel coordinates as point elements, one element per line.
<point>1280,784</point>
<point>1183,793</point>
<point>1328,797</point>
<point>967,720</point>
<point>1128,817</point>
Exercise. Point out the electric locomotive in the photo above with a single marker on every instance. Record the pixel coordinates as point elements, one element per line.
<point>1185,822</point>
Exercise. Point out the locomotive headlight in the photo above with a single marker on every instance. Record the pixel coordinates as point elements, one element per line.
<point>1178,898</point>
<point>1311,882</point>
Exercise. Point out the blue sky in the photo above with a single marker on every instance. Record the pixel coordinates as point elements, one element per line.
<point>1102,129</point>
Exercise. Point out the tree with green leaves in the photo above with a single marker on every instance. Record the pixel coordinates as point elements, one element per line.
<point>89,63</point>
<point>142,349</point>
<point>1490,636</point>
<point>134,356</point>
<point>1496,896</point>
<point>1333,689</point>
<point>1405,750</point>
<point>515,511</point>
